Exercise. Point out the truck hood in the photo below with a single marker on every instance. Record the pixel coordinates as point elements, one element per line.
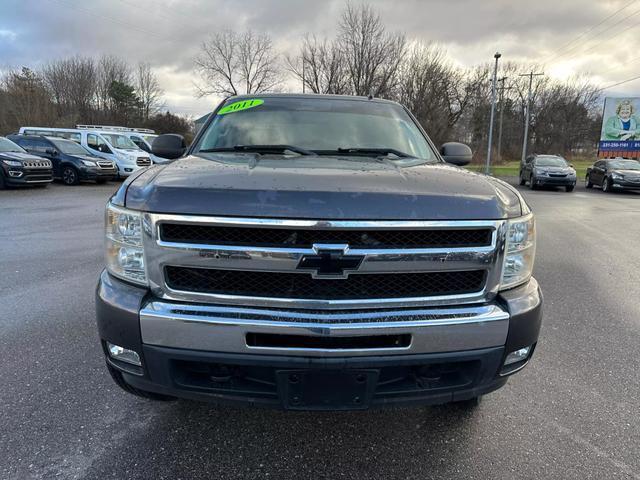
<point>319,188</point>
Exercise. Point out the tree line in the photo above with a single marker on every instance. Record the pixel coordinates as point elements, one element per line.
<point>84,90</point>
<point>363,58</point>
<point>452,103</point>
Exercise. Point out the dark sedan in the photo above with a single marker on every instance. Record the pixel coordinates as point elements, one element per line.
<point>18,168</point>
<point>614,174</point>
<point>72,163</point>
<point>547,170</point>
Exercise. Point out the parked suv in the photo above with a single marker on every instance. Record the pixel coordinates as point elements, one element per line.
<point>614,174</point>
<point>17,167</point>
<point>112,146</point>
<point>547,170</point>
<point>316,252</point>
<point>72,163</point>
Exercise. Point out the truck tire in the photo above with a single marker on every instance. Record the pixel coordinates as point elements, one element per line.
<point>587,182</point>
<point>117,377</point>
<point>70,176</point>
<point>470,403</point>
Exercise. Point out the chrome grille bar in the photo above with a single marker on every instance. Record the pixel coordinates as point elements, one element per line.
<point>160,254</point>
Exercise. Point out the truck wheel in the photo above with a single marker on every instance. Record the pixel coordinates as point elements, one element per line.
<point>70,176</point>
<point>117,377</point>
<point>587,182</point>
<point>569,188</point>
<point>606,184</point>
<point>469,404</point>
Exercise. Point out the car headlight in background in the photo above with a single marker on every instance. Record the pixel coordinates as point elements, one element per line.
<point>123,244</point>
<point>12,163</point>
<point>88,163</point>
<point>542,173</point>
<point>617,176</point>
<point>520,251</point>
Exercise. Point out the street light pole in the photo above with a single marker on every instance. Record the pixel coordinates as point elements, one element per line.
<point>493,111</point>
<point>502,89</point>
<point>527,107</point>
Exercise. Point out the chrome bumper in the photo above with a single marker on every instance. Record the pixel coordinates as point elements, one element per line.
<point>224,329</point>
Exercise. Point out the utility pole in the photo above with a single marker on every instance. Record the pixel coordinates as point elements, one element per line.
<point>527,107</point>
<point>493,111</point>
<point>502,89</point>
<point>303,77</point>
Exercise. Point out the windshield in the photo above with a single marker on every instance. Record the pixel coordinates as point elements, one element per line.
<point>317,125</point>
<point>120,141</point>
<point>7,145</point>
<point>625,165</point>
<point>70,148</point>
<point>551,162</point>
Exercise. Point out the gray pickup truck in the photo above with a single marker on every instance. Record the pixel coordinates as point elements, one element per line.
<point>315,252</point>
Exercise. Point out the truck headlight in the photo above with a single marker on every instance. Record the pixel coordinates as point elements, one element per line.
<point>12,163</point>
<point>123,244</point>
<point>520,251</point>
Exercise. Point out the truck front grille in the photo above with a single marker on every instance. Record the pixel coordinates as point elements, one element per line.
<point>143,161</point>
<point>301,238</point>
<point>304,286</point>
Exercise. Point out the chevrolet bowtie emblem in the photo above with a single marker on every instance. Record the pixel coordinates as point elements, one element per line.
<point>330,261</point>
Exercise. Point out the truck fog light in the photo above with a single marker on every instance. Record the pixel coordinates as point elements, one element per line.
<point>517,356</point>
<point>123,354</point>
<point>131,258</point>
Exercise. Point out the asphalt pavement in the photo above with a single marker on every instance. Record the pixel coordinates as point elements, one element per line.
<point>572,413</point>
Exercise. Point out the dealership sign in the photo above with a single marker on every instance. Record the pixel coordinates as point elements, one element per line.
<point>620,134</point>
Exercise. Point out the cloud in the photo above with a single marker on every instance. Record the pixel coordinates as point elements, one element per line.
<point>168,33</point>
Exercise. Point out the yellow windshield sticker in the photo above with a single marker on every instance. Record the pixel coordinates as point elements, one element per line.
<point>241,105</point>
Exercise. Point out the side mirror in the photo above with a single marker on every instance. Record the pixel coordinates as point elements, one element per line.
<point>571,165</point>
<point>143,146</point>
<point>170,146</point>
<point>51,151</point>
<point>456,153</point>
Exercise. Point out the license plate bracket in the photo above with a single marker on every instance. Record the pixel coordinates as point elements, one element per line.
<point>326,389</point>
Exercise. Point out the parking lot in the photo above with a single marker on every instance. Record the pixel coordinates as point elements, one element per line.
<point>572,413</point>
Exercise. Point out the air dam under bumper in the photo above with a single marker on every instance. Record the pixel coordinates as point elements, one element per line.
<point>276,357</point>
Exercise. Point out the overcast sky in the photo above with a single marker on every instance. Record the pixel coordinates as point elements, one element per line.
<point>167,33</point>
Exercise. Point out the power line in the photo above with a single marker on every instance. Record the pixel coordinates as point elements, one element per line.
<point>592,28</point>
<point>577,47</point>
<point>599,44</point>
<point>619,83</point>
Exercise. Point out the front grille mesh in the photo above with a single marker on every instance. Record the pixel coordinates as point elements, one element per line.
<point>303,286</point>
<point>300,238</point>
<point>143,161</point>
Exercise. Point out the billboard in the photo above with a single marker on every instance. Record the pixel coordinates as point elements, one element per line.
<point>620,134</point>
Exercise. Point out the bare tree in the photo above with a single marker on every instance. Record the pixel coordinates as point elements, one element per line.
<point>148,91</point>
<point>320,66</point>
<point>110,69</point>
<point>24,99</point>
<point>372,55</point>
<point>72,82</point>
<point>230,64</point>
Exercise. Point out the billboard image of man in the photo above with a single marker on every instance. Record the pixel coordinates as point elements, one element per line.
<point>624,124</point>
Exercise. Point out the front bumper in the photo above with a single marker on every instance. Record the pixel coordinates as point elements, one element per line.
<point>555,181</point>
<point>622,184</point>
<point>218,353</point>
<point>90,173</point>
<point>20,176</point>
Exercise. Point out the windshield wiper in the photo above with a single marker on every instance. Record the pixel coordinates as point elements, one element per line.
<point>378,152</point>
<point>260,149</point>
